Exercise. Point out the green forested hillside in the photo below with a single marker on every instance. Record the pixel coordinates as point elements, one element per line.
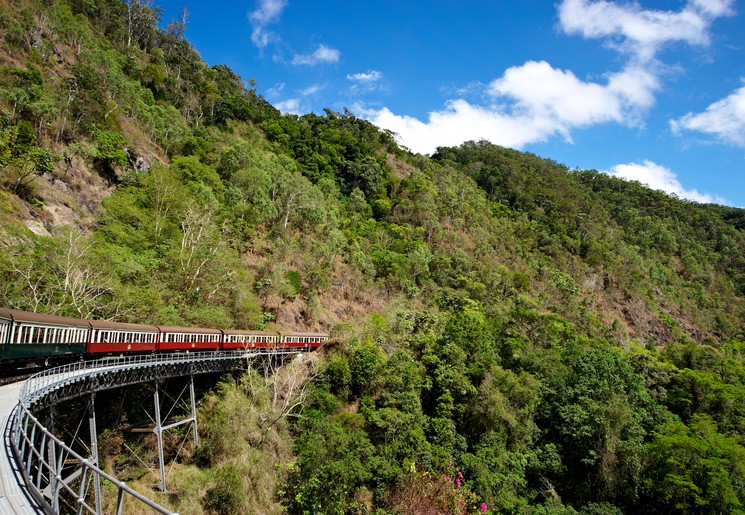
<point>506,331</point>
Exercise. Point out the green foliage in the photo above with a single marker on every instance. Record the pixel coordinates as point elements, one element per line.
<point>569,341</point>
<point>333,465</point>
<point>695,469</point>
<point>109,154</point>
<point>22,161</point>
<point>294,279</point>
<point>228,494</point>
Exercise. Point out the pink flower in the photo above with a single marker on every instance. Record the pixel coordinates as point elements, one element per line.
<point>482,508</point>
<point>457,482</point>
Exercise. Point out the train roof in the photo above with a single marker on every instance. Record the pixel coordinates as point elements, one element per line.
<point>249,331</point>
<point>121,326</point>
<point>299,333</point>
<point>189,330</point>
<point>41,318</point>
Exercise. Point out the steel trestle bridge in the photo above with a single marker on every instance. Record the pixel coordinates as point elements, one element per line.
<point>36,461</point>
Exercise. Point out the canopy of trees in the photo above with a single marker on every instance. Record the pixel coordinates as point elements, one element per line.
<point>510,335</point>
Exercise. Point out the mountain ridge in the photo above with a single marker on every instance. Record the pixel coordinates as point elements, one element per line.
<point>558,336</point>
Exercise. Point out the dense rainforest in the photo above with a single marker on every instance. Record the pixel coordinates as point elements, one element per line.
<point>508,335</point>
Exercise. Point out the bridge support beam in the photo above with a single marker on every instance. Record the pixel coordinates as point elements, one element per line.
<point>159,427</point>
<point>94,450</point>
<point>159,435</point>
<point>193,410</point>
<point>42,458</point>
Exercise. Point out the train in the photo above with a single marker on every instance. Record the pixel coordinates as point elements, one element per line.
<point>29,338</point>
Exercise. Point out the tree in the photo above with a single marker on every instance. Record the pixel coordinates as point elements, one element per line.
<point>695,469</point>
<point>142,22</point>
<point>21,160</point>
<point>283,389</point>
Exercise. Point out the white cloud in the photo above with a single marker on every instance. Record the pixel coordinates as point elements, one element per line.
<point>534,101</point>
<point>364,82</point>
<point>661,178</point>
<point>370,76</point>
<point>724,119</point>
<point>458,122</point>
<point>538,101</point>
<point>641,31</point>
<point>322,55</point>
<point>312,90</point>
<point>541,91</point>
<point>276,90</point>
<point>291,105</point>
<point>267,12</point>
<point>296,105</point>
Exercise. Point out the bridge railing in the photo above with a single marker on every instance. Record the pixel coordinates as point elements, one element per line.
<point>39,385</point>
<point>49,466</point>
<point>45,460</point>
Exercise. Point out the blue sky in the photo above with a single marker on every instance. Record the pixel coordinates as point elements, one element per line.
<point>651,91</point>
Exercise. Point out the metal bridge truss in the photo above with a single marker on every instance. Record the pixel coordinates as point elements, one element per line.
<point>53,470</point>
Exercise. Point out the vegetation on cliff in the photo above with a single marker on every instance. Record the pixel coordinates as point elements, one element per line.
<point>507,331</point>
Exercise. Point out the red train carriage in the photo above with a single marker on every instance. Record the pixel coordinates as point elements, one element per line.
<point>189,338</point>
<point>28,338</point>
<point>235,339</point>
<point>108,337</point>
<point>303,340</point>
